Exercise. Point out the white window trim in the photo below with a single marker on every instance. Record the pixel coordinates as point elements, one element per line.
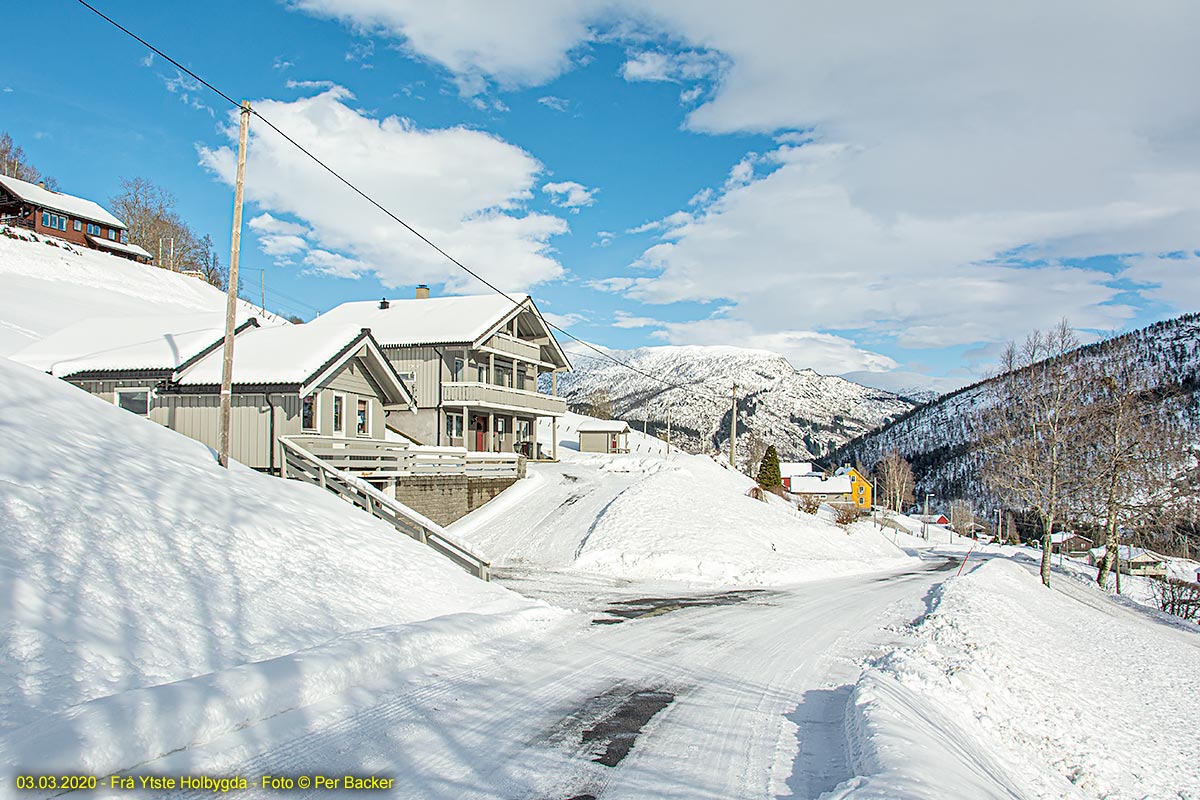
<point>316,396</point>
<point>366,434</point>
<point>333,408</point>
<point>133,390</point>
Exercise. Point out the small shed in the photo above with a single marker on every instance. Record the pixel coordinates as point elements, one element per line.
<point>1134,561</point>
<point>604,436</point>
<point>1071,544</point>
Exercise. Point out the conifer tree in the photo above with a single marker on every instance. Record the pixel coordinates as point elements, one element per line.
<point>768,472</point>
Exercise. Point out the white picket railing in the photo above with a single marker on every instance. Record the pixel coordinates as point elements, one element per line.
<point>382,459</point>
<point>301,464</point>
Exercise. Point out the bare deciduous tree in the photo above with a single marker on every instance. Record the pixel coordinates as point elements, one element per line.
<point>15,164</point>
<point>895,480</point>
<point>1034,434</point>
<point>155,225</point>
<point>962,518</point>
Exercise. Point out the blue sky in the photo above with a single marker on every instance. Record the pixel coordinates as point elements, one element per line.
<point>869,190</point>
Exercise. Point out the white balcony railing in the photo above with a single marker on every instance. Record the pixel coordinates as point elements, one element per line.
<point>517,347</point>
<point>380,459</point>
<point>485,394</point>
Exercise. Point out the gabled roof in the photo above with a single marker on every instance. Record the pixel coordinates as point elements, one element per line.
<point>57,201</point>
<point>1129,553</point>
<point>113,344</point>
<point>603,426</point>
<point>303,356</point>
<point>465,320</point>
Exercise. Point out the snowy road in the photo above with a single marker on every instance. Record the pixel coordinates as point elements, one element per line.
<point>646,695</point>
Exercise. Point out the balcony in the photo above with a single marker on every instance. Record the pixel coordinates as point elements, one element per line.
<point>502,398</point>
<point>526,351</point>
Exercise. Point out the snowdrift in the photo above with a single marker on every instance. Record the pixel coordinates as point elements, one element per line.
<point>131,560</point>
<point>1013,690</point>
<point>684,518</point>
<point>47,284</point>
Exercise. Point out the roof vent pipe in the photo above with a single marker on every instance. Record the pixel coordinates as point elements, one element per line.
<point>384,304</point>
<point>422,292</point>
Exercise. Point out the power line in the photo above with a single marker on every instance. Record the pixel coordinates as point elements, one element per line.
<point>366,196</point>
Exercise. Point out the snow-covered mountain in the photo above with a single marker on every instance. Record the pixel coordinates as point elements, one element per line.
<point>938,438</point>
<point>802,413</point>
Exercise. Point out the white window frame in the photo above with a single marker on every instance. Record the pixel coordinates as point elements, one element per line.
<point>366,432</point>
<point>451,427</point>
<point>132,390</point>
<point>78,226</point>
<point>316,428</point>
<point>459,370</point>
<point>338,430</point>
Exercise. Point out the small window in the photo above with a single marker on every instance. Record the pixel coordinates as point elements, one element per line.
<point>362,420</point>
<point>78,226</point>
<point>308,413</point>
<point>339,410</point>
<point>454,426</point>
<point>135,400</point>
<point>45,219</point>
<point>93,229</point>
<point>481,371</point>
<point>112,234</point>
<point>124,237</point>
<point>500,425</point>
<point>458,370</point>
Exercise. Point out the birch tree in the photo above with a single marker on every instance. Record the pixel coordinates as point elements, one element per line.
<point>1034,428</point>
<point>895,479</point>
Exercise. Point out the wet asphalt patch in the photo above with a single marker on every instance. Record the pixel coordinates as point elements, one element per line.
<point>642,607</point>
<point>611,738</point>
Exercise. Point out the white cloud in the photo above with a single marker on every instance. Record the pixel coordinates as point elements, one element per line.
<point>1171,280</point>
<point>569,194</point>
<point>623,319</point>
<point>282,63</point>
<point>655,65</point>
<point>265,223</point>
<point>555,103</point>
<point>604,238</point>
<point>282,245</point>
<point>464,189</point>
<point>146,60</point>
<point>564,320</point>
<point>931,150</point>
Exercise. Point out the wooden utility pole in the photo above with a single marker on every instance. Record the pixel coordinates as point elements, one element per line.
<point>262,289</point>
<point>668,430</point>
<point>733,431</point>
<point>231,295</point>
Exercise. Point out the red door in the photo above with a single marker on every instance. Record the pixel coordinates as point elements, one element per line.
<point>480,434</point>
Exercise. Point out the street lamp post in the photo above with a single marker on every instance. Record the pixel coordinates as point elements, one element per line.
<point>925,522</point>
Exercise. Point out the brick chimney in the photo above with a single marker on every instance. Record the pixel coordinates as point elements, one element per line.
<point>422,292</point>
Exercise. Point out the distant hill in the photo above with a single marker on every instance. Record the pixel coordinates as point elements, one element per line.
<point>802,413</point>
<point>47,284</point>
<point>939,438</point>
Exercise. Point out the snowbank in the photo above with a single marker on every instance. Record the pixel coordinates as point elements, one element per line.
<point>695,523</point>
<point>130,559</point>
<point>47,284</point>
<point>1011,684</point>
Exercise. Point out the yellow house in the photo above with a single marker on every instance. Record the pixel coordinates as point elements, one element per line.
<point>860,487</point>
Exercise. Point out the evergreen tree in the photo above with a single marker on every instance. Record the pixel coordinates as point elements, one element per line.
<point>768,471</point>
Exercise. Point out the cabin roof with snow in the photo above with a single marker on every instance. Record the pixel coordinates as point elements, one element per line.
<point>1128,553</point>
<point>69,204</point>
<point>100,243</point>
<point>790,469</point>
<point>603,426</point>
<point>300,356</point>
<point>467,320</point>
<point>122,344</point>
<point>818,484</point>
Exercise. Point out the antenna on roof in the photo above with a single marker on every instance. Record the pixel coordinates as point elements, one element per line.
<point>384,304</point>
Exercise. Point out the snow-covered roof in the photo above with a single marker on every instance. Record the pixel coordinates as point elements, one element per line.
<point>303,355</point>
<point>432,320</point>
<point>1062,536</point>
<point>790,469</point>
<point>1130,553</point>
<point>817,484</point>
<point>124,343</point>
<point>57,201</point>
<point>120,247</point>
<point>604,426</point>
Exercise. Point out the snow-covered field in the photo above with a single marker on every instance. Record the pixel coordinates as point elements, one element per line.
<point>148,591</point>
<point>1014,690</point>
<point>46,287</point>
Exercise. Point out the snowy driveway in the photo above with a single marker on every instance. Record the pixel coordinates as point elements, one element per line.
<point>740,698</point>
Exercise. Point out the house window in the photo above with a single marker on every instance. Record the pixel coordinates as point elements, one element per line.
<point>410,380</point>
<point>308,413</point>
<point>522,430</point>
<point>55,221</point>
<point>454,426</point>
<point>135,400</point>
<point>93,229</point>
<point>78,226</point>
<point>500,425</point>
<point>124,237</point>
<point>481,373</point>
<point>112,234</point>
<point>458,370</point>
<point>504,376</point>
<point>339,414</point>
<point>362,419</point>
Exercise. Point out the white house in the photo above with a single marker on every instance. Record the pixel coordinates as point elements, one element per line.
<point>603,436</point>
